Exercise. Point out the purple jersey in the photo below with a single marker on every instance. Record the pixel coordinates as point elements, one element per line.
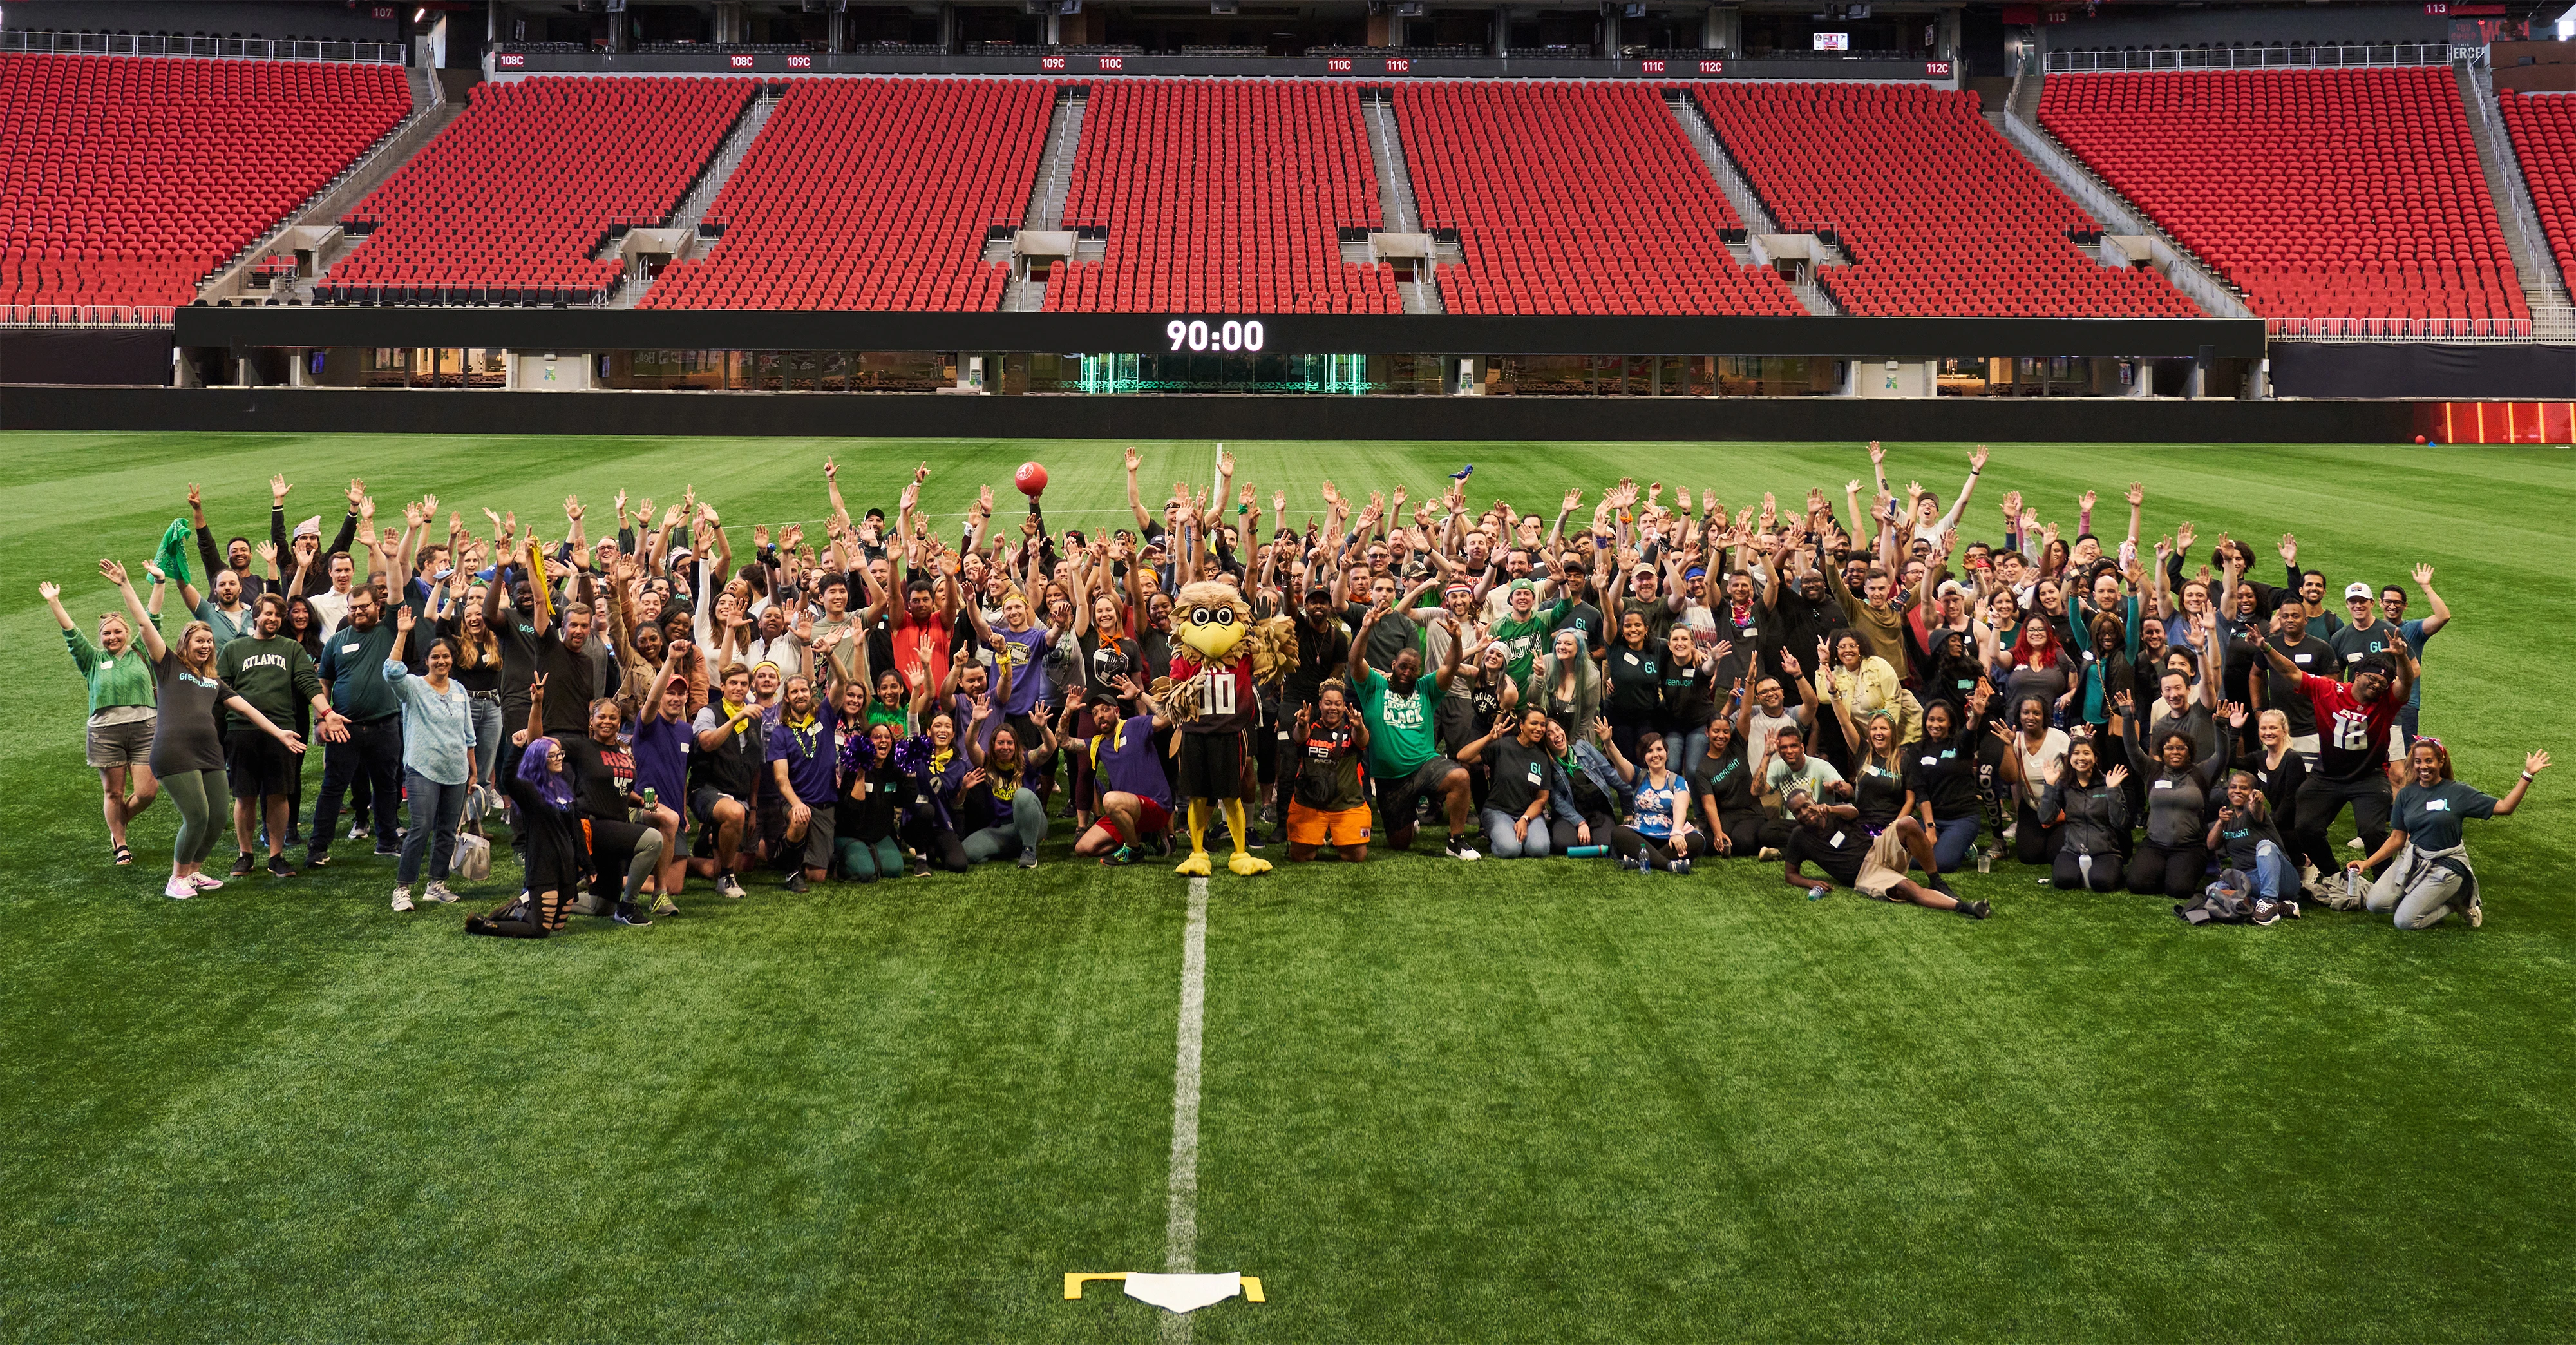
<point>662,748</point>
<point>1128,763</point>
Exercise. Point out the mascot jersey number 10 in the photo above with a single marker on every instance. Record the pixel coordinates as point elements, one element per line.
<point>1213,684</point>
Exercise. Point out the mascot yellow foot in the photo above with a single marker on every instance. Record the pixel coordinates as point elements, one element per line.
<point>1243,863</point>
<point>1197,865</point>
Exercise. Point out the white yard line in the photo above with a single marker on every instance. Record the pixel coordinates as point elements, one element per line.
<point>1181,1225</point>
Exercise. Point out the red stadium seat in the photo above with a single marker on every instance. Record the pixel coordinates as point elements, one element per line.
<point>2544,139</point>
<point>1939,214</point>
<point>125,180</point>
<point>2318,193</point>
<point>1574,198</point>
<point>517,193</point>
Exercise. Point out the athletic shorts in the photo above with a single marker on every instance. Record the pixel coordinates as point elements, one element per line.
<point>1152,819</point>
<point>1398,798</point>
<point>703,801</point>
<point>817,845</point>
<point>1883,867</point>
<point>1312,826</point>
<point>1211,765</point>
<point>261,765</point>
<point>126,744</point>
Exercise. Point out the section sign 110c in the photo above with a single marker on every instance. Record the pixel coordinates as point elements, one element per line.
<point>1199,334</point>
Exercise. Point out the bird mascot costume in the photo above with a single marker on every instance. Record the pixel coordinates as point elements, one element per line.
<point>1214,684</point>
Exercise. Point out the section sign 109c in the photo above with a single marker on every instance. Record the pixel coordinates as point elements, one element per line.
<point>1200,334</point>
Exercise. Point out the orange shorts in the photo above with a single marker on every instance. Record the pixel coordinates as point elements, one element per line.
<point>1311,826</point>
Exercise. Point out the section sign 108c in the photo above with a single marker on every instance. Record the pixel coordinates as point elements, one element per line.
<point>1199,334</point>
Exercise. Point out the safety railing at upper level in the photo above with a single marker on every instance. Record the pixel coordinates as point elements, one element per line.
<point>2316,56</point>
<point>236,48</point>
<point>86,315</point>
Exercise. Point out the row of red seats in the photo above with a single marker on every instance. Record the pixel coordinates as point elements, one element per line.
<point>2543,128</point>
<point>1223,197</point>
<point>126,179</point>
<point>2367,177</point>
<point>1599,205</point>
<point>871,194</point>
<point>522,189</point>
<point>1938,213</point>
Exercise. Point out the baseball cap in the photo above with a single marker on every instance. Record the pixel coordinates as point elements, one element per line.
<point>2357,589</point>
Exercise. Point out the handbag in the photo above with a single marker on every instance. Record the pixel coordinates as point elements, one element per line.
<point>473,858</point>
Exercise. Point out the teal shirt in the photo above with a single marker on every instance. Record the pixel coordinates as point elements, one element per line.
<point>122,679</point>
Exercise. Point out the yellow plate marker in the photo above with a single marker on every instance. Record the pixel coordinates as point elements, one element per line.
<point>1250,1285</point>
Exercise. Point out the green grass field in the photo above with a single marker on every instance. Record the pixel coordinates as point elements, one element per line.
<point>1536,1101</point>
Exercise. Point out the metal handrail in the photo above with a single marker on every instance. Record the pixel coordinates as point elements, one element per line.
<point>2306,56</point>
<point>234,48</point>
<point>87,315</point>
<point>2398,329</point>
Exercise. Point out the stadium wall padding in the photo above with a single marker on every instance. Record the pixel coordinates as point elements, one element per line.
<point>934,415</point>
<point>2431,372</point>
<point>140,356</point>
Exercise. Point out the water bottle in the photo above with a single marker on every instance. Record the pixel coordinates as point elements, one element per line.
<point>1985,862</point>
<point>1586,851</point>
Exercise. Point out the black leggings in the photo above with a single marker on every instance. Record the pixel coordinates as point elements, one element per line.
<point>2067,874</point>
<point>2032,842</point>
<point>940,846</point>
<point>1748,833</point>
<point>535,916</point>
<point>2177,871</point>
<point>1629,843</point>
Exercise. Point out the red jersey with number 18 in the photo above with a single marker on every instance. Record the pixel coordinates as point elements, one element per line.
<point>1228,703</point>
<point>2352,738</point>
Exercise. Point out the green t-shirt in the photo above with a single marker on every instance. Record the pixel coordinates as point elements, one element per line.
<point>1523,640</point>
<point>1400,739</point>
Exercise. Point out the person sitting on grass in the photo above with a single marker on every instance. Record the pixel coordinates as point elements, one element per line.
<point>1659,832</point>
<point>2433,876</point>
<point>1831,835</point>
<point>558,862</point>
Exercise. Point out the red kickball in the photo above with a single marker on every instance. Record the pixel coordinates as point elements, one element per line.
<point>1031,478</point>
<point>2419,438</point>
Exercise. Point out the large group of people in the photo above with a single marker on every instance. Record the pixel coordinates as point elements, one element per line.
<point>1858,693</point>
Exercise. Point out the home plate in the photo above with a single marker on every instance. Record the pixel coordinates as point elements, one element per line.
<point>1173,1293</point>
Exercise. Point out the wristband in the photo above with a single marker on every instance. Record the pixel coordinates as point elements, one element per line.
<point>2528,777</point>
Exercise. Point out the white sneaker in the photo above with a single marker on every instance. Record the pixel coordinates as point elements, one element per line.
<point>1765,855</point>
<point>665,906</point>
<point>205,882</point>
<point>2476,914</point>
<point>402,898</point>
<point>178,889</point>
<point>438,892</point>
<point>2353,844</point>
<point>357,831</point>
<point>1464,852</point>
<point>729,887</point>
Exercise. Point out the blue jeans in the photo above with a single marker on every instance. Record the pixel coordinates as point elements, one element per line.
<point>1502,843</point>
<point>436,809</point>
<point>1682,750</point>
<point>1952,840</point>
<point>488,737</point>
<point>2272,871</point>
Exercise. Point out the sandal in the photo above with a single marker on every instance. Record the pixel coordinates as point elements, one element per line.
<point>124,856</point>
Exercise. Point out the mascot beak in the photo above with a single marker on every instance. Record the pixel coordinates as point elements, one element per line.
<point>1213,634</point>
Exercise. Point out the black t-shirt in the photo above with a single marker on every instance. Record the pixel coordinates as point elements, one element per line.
<point>1584,617</point>
<point>1636,680</point>
<point>2352,644</point>
<point>1879,793</point>
<point>2281,693</point>
<point>603,773</point>
<point>1837,851</point>
<point>1690,693</point>
<point>1730,782</point>
<point>1321,654</point>
<point>1520,773</point>
<point>572,679</point>
<point>1944,774</point>
<point>1393,634</point>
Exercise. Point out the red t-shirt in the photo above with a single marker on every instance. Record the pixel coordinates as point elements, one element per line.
<point>913,638</point>
<point>2352,738</point>
<point>1229,704</point>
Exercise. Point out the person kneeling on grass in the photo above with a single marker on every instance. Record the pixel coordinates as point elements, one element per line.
<point>1518,807</point>
<point>1007,817</point>
<point>2434,874</point>
<point>1659,833</point>
<point>1135,805</point>
<point>1831,835</point>
<point>558,860</point>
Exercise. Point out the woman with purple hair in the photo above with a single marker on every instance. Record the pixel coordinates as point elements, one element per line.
<point>558,861</point>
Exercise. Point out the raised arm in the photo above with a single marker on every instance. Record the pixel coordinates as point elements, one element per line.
<point>145,627</point>
<point>2441,610</point>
